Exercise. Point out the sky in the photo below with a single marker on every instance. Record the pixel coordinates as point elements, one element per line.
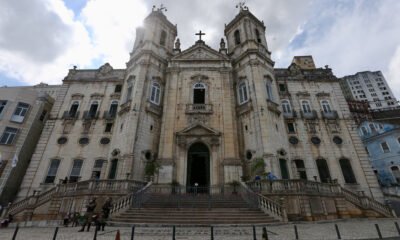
<point>41,40</point>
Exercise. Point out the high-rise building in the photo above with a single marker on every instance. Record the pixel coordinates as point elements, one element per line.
<point>369,87</point>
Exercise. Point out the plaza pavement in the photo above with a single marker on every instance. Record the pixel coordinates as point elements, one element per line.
<point>349,229</point>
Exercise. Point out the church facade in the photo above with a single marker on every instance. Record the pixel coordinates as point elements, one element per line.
<point>200,115</point>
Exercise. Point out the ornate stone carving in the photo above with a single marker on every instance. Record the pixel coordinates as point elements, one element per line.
<point>105,69</point>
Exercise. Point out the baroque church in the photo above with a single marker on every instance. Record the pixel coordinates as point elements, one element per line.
<point>200,116</point>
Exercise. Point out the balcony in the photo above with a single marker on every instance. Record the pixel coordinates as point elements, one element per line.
<point>87,115</point>
<point>273,107</point>
<point>309,115</point>
<point>199,108</point>
<point>290,115</point>
<point>109,115</point>
<point>332,115</point>
<point>70,115</point>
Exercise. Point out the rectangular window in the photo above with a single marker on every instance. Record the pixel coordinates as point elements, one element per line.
<point>3,104</point>
<point>52,172</point>
<point>43,115</point>
<point>8,136</point>
<point>366,149</point>
<point>282,87</point>
<point>76,170</point>
<point>20,112</point>
<point>291,128</point>
<point>108,127</point>
<point>118,88</point>
<point>385,147</point>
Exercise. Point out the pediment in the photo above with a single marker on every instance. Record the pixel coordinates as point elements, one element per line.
<point>198,130</point>
<point>200,51</point>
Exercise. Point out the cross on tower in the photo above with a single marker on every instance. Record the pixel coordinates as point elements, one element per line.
<point>200,34</point>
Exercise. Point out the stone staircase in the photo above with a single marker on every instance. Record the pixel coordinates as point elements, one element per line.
<point>189,208</point>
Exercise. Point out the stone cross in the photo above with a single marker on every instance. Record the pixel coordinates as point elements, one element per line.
<point>242,6</point>
<point>200,34</point>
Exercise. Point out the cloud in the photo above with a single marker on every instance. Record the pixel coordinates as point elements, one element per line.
<point>40,41</point>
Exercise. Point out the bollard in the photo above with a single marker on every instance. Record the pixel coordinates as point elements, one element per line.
<point>133,232</point>
<point>254,233</point>
<point>173,233</point>
<point>264,233</point>
<point>337,232</point>
<point>55,233</point>
<point>212,233</point>
<point>397,227</point>
<point>95,233</point>
<point>379,231</point>
<point>295,232</point>
<point>15,233</point>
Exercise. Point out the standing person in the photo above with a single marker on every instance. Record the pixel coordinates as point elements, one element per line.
<point>89,216</point>
<point>105,213</point>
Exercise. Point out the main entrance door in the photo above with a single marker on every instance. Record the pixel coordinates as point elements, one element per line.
<point>198,167</point>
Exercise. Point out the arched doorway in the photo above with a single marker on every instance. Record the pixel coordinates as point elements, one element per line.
<point>198,165</point>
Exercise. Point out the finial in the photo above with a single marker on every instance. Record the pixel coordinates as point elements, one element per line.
<point>242,6</point>
<point>160,9</point>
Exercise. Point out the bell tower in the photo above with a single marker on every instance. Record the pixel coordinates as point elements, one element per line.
<point>260,125</point>
<point>141,106</point>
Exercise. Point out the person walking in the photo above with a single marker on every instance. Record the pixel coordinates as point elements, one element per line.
<point>105,214</point>
<point>89,216</point>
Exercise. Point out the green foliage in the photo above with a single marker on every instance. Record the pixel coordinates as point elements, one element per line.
<point>258,166</point>
<point>151,168</point>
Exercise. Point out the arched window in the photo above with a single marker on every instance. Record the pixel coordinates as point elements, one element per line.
<point>372,127</point>
<point>113,169</point>
<point>301,169</point>
<point>323,170</point>
<point>286,106</point>
<point>52,172</point>
<point>237,37</point>
<point>326,107</point>
<point>155,93</point>
<point>305,105</point>
<point>199,93</point>
<point>74,109</point>
<point>163,37</point>
<point>93,109</point>
<point>347,171</point>
<point>74,176</point>
<point>396,173</point>
<point>258,35</point>
<point>242,93</point>
<point>112,112</point>
<point>268,85</point>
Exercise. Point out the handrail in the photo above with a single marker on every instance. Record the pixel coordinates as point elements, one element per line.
<point>71,189</point>
<point>267,205</point>
<point>298,186</point>
<point>366,202</point>
<point>128,200</point>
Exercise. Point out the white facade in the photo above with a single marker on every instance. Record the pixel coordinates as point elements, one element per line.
<point>370,87</point>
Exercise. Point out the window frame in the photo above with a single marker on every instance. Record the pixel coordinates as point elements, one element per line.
<point>325,105</point>
<point>349,177</point>
<point>387,145</point>
<point>306,103</point>
<point>199,85</point>
<point>243,94</point>
<point>286,107</point>
<point>269,89</point>
<point>74,168</point>
<point>155,93</point>
<point>20,112</point>
<point>236,37</point>
<point>50,168</point>
<point>3,105</point>
<point>13,134</point>
<point>111,110</point>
